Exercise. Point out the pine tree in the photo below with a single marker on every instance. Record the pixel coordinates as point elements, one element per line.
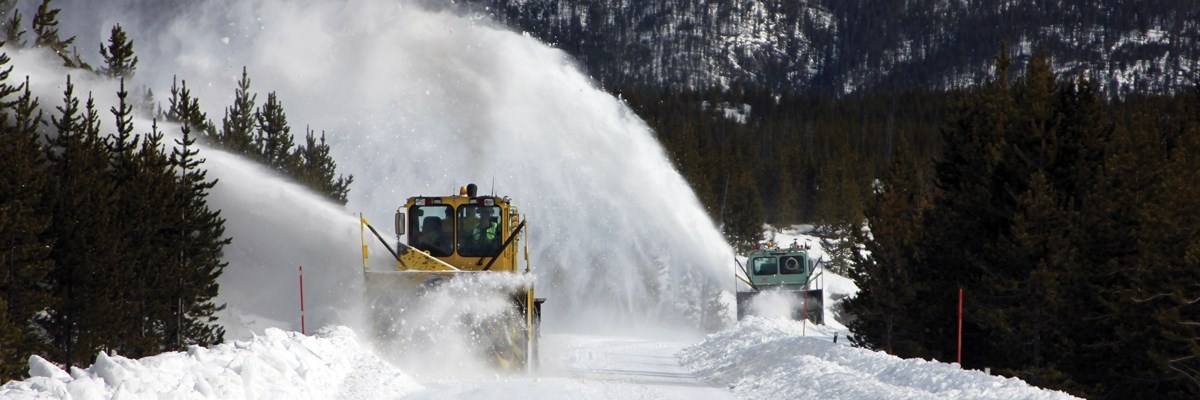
<point>139,219</point>
<point>787,205</point>
<point>1156,299</point>
<point>888,277</point>
<point>1107,243</point>
<point>24,253</point>
<point>238,126</point>
<point>970,214</point>
<point>317,169</point>
<point>744,217</point>
<point>12,24</point>
<point>1031,332</point>
<point>184,109</point>
<point>118,56</point>
<point>843,186</point>
<point>81,199</point>
<point>199,240</point>
<point>45,27</point>
<point>159,238</point>
<point>274,137</point>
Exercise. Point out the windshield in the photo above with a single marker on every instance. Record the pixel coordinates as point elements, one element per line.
<point>764,266</point>
<point>479,231</point>
<point>432,229</point>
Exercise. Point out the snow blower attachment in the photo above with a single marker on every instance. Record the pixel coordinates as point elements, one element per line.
<point>786,276</point>
<point>455,239</point>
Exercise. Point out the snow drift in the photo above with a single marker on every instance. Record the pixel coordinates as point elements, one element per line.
<point>278,365</point>
<point>771,359</point>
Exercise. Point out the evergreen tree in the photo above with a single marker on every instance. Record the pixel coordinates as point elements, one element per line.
<point>843,186</point>
<point>1107,249</point>
<point>969,216</point>
<point>1156,297</point>
<point>787,204</point>
<point>24,253</point>
<point>81,199</point>
<point>317,169</point>
<point>45,27</point>
<point>744,217</point>
<point>199,242</point>
<point>1031,332</point>
<point>158,239</point>
<point>274,138</point>
<point>143,203</point>
<point>184,109</point>
<point>118,56</point>
<point>889,276</point>
<point>238,126</point>
<point>12,24</point>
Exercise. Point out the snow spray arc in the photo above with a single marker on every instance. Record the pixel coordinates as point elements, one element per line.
<point>424,100</point>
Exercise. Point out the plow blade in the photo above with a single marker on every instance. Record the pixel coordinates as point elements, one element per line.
<point>802,303</point>
<point>423,309</point>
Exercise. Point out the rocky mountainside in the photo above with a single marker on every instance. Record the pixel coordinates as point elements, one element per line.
<point>838,47</point>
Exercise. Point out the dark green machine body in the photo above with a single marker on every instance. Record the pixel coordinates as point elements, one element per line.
<point>789,272</point>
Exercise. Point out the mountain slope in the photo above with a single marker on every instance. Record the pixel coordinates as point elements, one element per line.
<point>844,46</point>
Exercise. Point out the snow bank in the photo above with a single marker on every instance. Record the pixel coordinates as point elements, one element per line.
<point>771,359</point>
<point>277,365</point>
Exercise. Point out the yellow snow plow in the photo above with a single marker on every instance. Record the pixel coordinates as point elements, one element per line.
<point>468,244</point>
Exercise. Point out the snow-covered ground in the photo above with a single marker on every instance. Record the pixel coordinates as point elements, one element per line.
<point>332,364</point>
<point>758,358</point>
<point>771,359</point>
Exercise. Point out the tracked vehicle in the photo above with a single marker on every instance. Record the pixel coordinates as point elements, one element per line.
<point>789,272</point>
<point>463,236</point>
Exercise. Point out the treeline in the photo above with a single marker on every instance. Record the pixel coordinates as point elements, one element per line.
<point>1070,222</point>
<point>264,135</point>
<point>107,242</point>
<point>752,157</point>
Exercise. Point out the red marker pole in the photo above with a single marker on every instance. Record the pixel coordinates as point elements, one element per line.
<point>302,301</point>
<point>960,309</point>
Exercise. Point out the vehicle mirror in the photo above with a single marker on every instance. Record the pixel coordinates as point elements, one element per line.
<point>399,223</point>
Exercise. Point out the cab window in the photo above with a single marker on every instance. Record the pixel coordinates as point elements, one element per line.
<point>432,229</point>
<point>793,265</point>
<point>764,266</point>
<point>479,230</point>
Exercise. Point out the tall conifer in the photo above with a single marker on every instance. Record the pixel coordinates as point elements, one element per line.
<point>82,203</point>
<point>185,110</point>
<point>318,169</point>
<point>24,252</point>
<point>274,136</point>
<point>238,126</point>
<point>12,24</point>
<point>45,28</point>
<point>118,55</point>
<point>199,242</point>
<point>889,275</point>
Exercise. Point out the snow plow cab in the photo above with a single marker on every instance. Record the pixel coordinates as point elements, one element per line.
<point>464,237</point>
<point>785,277</point>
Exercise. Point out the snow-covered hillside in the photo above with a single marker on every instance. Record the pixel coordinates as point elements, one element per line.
<point>843,46</point>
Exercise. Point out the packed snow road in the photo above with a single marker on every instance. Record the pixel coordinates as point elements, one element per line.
<point>758,358</point>
<point>586,367</point>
